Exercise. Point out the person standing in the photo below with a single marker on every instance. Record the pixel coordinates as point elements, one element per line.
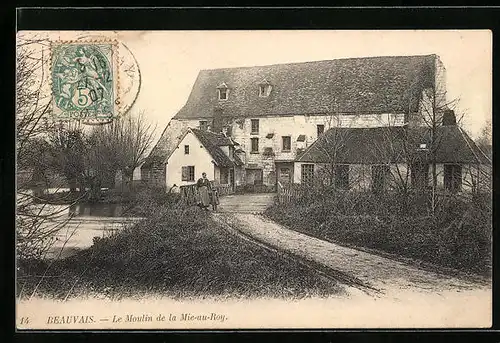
<point>204,189</point>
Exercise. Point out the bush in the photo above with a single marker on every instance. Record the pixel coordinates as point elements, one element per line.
<point>459,235</point>
<point>177,252</point>
<point>146,200</point>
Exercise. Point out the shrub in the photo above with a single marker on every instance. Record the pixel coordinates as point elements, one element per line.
<point>178,252</point>
<point>459,234</point>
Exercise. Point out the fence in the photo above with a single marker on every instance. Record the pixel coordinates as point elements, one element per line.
<point>190,195</point>
<point>411,202</point>
<point>288,192</point>
<point>224,189</point>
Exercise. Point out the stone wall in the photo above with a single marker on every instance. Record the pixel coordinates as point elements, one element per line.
<point>433,101</point>
<point>273,128</point>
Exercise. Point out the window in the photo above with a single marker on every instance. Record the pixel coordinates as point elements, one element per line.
<point>453,177</point>
<point>186,149</point>
<point>380,176</point>
<point>188,173</point>
<point>222,93</point>
<point>254,145</point>
<point>203,125</point>
<point>320,129</point>
<point>342,176</point>
<point>224,176</point>
<point>307,174</point>
<point>287,143</point>
<point>419,175</point>
<point>255,126</point>
<point>264,90</point>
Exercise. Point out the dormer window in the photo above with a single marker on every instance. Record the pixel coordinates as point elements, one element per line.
<point>222,94</point>
<point>264,89</point>
<point>223,91</point>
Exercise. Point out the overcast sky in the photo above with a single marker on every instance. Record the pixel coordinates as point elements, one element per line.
<point>169,61</point>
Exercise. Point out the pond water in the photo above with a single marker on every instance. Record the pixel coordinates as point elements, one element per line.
<point>83,222</point>
<point>96,210</point>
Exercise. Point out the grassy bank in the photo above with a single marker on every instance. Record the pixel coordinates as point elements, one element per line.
<point>458,236</point>
<point>177,252</point>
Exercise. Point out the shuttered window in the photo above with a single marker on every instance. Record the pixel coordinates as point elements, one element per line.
<point>223,94</point>
<point>254,145</point>
<point>255,126</point>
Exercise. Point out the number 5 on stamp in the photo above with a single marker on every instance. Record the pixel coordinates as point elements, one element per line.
<point>84,80</point>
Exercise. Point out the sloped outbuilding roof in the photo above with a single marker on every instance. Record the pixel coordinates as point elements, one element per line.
<point>353,85</point>
<point>392,145</point>
<point>212,142</point>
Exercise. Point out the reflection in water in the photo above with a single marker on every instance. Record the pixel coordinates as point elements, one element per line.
<point>96,210</point>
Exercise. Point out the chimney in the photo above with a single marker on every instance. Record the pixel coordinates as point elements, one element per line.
<point>218,121</point>
<point>449,117</point>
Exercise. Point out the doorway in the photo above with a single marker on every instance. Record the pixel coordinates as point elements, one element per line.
<point>284,173</point>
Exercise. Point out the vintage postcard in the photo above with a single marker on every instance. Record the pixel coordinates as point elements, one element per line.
<point>253,179</point>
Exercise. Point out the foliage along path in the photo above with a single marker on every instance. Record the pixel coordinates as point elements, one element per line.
<point>379,275</point>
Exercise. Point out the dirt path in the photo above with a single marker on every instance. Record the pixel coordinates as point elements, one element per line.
<point>381,274</point>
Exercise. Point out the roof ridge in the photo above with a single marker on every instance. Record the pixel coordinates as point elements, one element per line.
<point>319,61</point>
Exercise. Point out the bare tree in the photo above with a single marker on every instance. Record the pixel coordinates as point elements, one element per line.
<point>333,143</point>
<point>118,146</point>
<point>32,93</point>
<point>98,162</point>
<point>36,223</point>
<point>134,137</point>
<point>417,144</point>
<point>433,110</point>
<point>67,143</point>
<point>484,141</point>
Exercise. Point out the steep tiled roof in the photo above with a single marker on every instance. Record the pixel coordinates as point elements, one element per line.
<point>212,142</point>
<point>353,85</point>
<point>383,145</point>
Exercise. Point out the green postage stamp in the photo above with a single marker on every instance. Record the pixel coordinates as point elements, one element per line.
<point>84,81</point>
